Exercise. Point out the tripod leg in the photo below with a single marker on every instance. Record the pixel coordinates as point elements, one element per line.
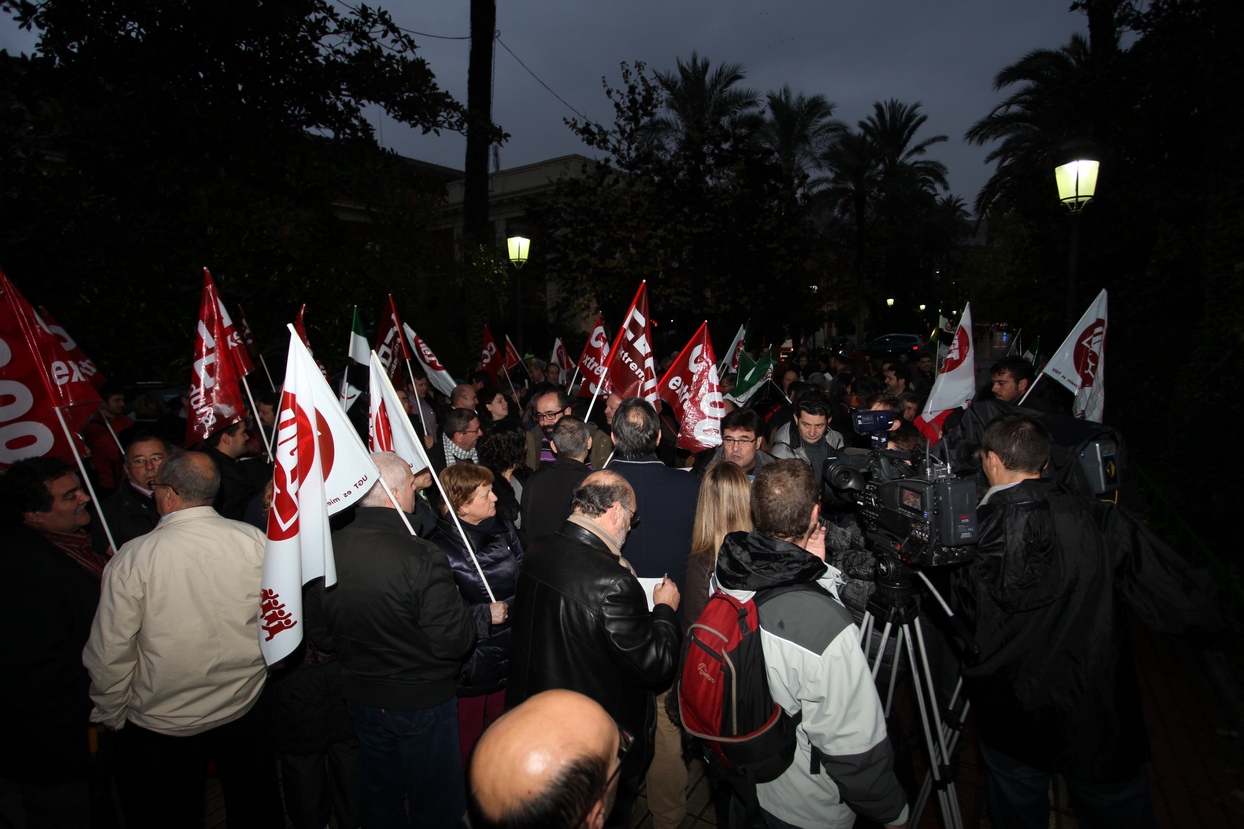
<point>885,638</point>
<point>930,722</point>
<point>894,669</point>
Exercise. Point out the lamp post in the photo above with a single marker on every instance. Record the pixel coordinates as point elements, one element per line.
<point>518,246</point>
<point>890,304</point>
<point>1076,177</point>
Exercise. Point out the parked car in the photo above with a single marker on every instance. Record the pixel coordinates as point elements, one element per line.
<point>901,347</point>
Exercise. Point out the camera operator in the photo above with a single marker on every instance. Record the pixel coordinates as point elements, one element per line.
<point>1054,689</point>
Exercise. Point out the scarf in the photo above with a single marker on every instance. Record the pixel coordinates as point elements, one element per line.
<point>79,548</point>
<point>456,454</point>
<point>599,531</point>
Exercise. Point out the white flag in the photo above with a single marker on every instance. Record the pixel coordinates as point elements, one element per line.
<point>388,427</point>
<point>1080,362</point>
<point>437,375</point>
<point>956,384</point>
<point>321,468</point>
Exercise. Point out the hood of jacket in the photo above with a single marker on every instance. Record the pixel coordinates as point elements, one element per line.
<point>754,561</point>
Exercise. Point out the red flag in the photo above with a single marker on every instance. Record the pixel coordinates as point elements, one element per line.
<point>391,345</point>
<point>37,376</point>
<point>231,341</point>
<point>593,360</point>
<point>248,338</point>
<point>512,360</point>
<point>631,369</point>
<point>489,357</point>
<point>561,359</point>
<point>215,398</point>
<point>692,390</point>
<point>76,358</point>
<point>440,379</point>
<point>302,335</point>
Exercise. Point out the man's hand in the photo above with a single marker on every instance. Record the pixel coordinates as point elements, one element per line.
<point>814,539</point>
<point>428,440</point>
<point>666,593</point>
<point>500,612</point>
<point>423,479</point>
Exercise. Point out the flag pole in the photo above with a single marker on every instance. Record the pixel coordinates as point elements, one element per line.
<point>1030,388</point>
<point>423,456</point>
<point>573,377</point>
<point>510,380</point>
<point>418,400</point>
<point>86,479</point>
<point>255,411</point>
<point>397,506</point>
<point>265,371</point>
<point>113,432</point>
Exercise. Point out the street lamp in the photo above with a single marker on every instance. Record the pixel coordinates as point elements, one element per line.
<point>1075,173</point>
<point>518,246</point>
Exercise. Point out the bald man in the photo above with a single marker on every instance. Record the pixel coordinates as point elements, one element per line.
<point>550,763</point>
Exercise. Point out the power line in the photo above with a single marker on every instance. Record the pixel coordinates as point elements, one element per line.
<point>542,83</point>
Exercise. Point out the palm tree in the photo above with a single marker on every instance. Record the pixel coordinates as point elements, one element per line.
<point>1050,105</point>
<point>799,129</point>
<point>905,172</point>
<point>706,110</point>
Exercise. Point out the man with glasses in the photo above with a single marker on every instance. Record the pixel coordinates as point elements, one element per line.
<point>551,763</point>
<point>741,432</point>
<point>131,510</point>
<point>549,404</point>
<point>581,622</point>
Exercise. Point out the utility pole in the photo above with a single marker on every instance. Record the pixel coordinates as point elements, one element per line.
<point>479,121</point>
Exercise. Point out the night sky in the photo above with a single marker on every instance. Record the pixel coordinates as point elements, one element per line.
<point>943,54</point>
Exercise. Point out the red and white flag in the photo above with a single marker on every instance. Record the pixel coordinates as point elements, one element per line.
<point>512,360</point>
<point>215,394</point>
<point>631,369</point>
<point>37,377</point>
<point>593,360</point>
<point>321,468</point>
<point>390,344</point>
<point>1080,362</point>
<point>248,337</point>
<point>692,389</point>
<point>437,375</point>
<point>956,384</point>
<point>388,427</point>
<point>234,344</point>
<point>74,357</point>
<point>302,335</point>
<point>561,359</point>
<point>489,358</point>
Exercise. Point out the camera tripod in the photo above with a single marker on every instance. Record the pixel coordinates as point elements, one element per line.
<point>896,603</point>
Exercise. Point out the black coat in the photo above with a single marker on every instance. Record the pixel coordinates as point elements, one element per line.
<point>497,548</point>
<point>238,483</point>
<point>581,622</point>
<point>47,605</point>
<point>665,500</point>
<point>1055,686</point>
<point>394,618</point>
<point>546,496</point>
<point>129,513</point>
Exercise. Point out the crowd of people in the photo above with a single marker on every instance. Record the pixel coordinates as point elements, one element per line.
<point>512,663</point>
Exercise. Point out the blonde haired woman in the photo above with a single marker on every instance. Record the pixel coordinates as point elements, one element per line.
<point>724,507</point>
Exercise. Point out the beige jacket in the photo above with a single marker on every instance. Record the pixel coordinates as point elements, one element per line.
<point>175,643</point>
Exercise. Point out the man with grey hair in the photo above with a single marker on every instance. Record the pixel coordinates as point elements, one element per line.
<point>175,662</point>
<point>401,631</point>
<point>581,622</point>
<point>546,496</point>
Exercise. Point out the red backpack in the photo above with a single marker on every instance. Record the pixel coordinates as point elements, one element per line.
<point>723,693</point>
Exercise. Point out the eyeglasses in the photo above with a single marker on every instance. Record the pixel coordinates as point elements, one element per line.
<point>150,460</point>
<point>634,515</point>
<point>625,741</point>
<point>549,417</point>
<point>166,486</point>
<point>737,441</point>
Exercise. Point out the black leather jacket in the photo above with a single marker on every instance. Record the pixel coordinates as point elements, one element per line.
<point>581,622</point>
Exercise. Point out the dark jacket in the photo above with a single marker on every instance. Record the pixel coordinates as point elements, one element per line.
<point>1055,686</point>
<point>394,618</point>
<point>497,548</point>
<point>665,500</point>
<point>546,496</point>
<point>129,513</point>
<point>581,622</point>
<point>47,605</point>
<point>238,485</point>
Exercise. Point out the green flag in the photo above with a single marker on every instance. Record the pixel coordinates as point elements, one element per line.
<point>1033,354</point>
<point>752,375</point>
<point>354,378</point>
